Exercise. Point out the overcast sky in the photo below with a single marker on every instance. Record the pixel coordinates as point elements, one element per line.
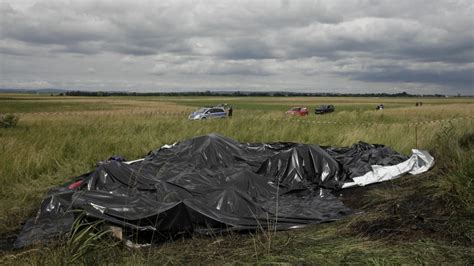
<point>311,46</point>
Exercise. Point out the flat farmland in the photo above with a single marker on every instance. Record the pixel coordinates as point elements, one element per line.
<point>57,138</point>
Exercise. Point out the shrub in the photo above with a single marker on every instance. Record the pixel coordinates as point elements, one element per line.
<point>8,120</point>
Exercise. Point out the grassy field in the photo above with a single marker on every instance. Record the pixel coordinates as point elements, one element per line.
<point>421,219</point>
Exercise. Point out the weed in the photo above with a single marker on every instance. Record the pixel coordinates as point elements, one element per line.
<point>86,241</point>
<point>456,162</point>
<point>8,120</point>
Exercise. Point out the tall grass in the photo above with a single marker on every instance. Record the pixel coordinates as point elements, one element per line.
<point>455,157</point>
<point>43,151</point>
<point>86,242</point>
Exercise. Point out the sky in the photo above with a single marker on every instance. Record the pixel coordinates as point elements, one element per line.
<point>339,46</point>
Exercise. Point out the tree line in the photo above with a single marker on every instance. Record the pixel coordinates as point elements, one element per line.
<point>241,94</point>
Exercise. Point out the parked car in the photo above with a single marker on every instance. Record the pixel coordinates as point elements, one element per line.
<point>322,109</point>
<point>302,111</point>
<point>208,113</point>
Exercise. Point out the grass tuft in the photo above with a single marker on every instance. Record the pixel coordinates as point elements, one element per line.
<point>8,120</point>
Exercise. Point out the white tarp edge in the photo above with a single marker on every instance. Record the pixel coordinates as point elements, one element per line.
<point>166,146</point>
<point>419,162</point>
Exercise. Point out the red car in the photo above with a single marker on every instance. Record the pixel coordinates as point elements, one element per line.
<point>298,111</point>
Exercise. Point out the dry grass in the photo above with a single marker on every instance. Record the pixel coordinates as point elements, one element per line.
<point>46,149</point>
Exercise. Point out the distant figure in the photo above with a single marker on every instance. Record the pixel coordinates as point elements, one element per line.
<point>230,111</point>
<point>416,104</point>
<point>379,107</point>
<point>421,103</point>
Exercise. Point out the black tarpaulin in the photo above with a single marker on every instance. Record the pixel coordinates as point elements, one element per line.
<point>210,184</point>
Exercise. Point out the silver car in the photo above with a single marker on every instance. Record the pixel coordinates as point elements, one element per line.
<point>208,113</point>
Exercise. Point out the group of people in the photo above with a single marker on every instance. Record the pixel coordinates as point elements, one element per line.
<point>379,107</point>
<point>418,104</point>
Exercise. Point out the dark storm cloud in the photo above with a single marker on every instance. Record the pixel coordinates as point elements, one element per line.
<point>461,52</point>
<point>82,48</point>
<point>276,40</point>
<point>462,78</point>
<point>132,49</point>
<point>247,48</point>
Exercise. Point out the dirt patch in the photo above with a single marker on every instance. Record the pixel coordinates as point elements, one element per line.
<point>407,209</point>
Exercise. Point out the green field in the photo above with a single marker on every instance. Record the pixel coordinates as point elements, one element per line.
<point>412,220</point>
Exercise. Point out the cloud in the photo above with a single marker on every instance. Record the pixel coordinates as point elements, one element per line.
<point>35,84</point>
<point>463,77</point>
<point>128,60</point>
<point>344,42</point>
<point>213,67</point>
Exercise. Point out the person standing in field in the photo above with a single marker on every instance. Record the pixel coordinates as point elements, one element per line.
<point>230,111</point>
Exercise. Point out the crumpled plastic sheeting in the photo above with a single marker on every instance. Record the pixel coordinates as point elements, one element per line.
<point>212,184</point>
<point>420,162</point>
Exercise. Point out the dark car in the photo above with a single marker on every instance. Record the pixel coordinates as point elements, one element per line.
<point>322,109</point>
